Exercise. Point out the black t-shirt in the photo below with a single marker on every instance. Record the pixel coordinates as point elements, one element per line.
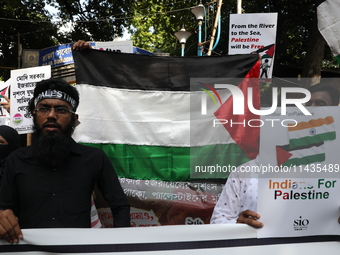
<point>60,197</point>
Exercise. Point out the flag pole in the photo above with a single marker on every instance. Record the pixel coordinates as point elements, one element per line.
<point>239,6</point>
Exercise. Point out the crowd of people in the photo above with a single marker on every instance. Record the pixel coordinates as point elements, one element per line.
<point>50,183</point>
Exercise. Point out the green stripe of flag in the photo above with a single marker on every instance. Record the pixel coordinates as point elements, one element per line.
<point>305,160</point>
<point>338,59</point>
<point>308,140</point>
<point>171,163</point>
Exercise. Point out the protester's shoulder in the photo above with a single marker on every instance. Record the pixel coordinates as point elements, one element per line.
<point>22,152</point>
<point>89,150</point>
<point>18,157</point>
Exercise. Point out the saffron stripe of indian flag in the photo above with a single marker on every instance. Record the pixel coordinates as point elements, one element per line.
<point>144,130</point>
<point>312,132</point>
<point>306,156</point>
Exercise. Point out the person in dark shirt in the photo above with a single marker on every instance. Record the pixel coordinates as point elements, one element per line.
<point>9,142</point>
<point>49,184</point>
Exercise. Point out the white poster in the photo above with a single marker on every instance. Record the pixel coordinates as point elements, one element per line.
<point>254,32</point>
<point>4,88</point>
<point>119,46</point>
<point>215,239</point>
<point>299,183</point>
<point>22,87</point>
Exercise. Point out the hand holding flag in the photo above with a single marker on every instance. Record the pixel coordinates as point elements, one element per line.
<point>6,104</point>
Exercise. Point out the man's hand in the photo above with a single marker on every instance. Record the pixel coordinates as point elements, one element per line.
<point>81,45</point>
<point>6,105</point>
<point>9,226</point>
<point>250,218</point>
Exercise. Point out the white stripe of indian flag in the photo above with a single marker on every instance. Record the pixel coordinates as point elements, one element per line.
<point>311,132</point>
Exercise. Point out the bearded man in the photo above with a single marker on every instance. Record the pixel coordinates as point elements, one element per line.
<point>49,184</point>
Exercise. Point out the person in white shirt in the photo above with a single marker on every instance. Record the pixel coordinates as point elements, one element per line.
<point>238,200</point>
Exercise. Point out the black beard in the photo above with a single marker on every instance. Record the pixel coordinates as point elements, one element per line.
<point>51,148</point>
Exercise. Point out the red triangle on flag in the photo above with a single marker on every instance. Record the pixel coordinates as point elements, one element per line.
<point>282,155</point>
<point>245,136</point>
<point>3,91</point>
<point>270,51</point>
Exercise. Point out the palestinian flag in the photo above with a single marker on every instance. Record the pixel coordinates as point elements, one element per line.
<point>139,109</point>
<point>269,51</point>
<point>3,92</point>
<point>306,142</point>
<point>329,24</point>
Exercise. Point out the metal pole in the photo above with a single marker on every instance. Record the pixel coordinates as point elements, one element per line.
<point>212,39</point>
<point>199,49</point>
<point>19,52</point>
<point>183,47</point>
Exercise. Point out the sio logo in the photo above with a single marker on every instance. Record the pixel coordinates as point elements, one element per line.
<point>300,224</point>
<point>191,221</point>
<point>17,119</point>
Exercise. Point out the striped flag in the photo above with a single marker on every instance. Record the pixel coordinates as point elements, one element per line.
<point>137,109</point>
<point>3,92</point>
<point>306,142</point>
<point>329,24</point>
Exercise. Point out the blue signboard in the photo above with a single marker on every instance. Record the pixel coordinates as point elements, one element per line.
<point>62,54</point>
<point>57,55</point>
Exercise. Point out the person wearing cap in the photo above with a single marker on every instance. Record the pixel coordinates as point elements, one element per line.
<point>49,184</point>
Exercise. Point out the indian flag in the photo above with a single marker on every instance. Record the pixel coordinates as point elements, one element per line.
<point>139,110</point>
<point>306,142</point>
<point>329,24</point>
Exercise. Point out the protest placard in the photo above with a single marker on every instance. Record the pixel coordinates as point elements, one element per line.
<point>22,87</point>
<point>298,178</point>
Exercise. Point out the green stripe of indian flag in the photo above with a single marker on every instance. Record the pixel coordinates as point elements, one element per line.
<point>311,132</point>
<point>305,156</point>
<point>139,117</point>
<point>308,140</point>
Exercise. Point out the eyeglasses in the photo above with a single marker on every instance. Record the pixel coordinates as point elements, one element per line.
<point>58,110</point>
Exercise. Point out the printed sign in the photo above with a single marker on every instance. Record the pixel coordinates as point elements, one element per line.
<point>118,46</point>
<point>254,32</point>
<point>299,174</point>
<point>23,84</point>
